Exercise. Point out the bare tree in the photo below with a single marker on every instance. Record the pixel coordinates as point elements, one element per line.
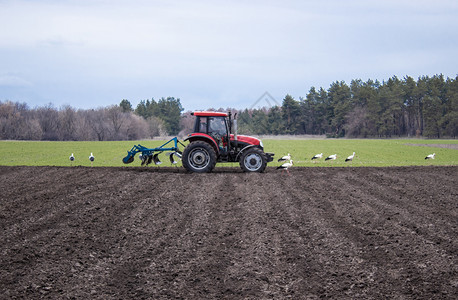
<point>156,127</point>
<point>32,130</point>
<point>116,118</point>
<point>10,120</point>
<point>136,127</point>
<point>67,123</point>
<point>48,119</point>
<point>17,122</point>
<point>96,120</point>
<point>83,129</point>
<point>186,124</point>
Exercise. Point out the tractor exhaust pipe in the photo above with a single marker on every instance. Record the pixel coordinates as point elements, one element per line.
<point>235,128</point>
<point>235,133</point>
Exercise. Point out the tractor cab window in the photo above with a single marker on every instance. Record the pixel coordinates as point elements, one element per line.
<point>217,125</point>
<point>201,125</point>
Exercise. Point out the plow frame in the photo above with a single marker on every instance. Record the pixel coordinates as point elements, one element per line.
<point>150,151</point>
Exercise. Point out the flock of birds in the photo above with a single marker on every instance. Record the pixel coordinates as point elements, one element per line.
<point>91,158</point>
<point>289,162</point>
<point>146,160</point>
<point>284,167</point>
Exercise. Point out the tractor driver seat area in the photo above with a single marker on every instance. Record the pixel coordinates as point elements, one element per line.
<point>217,129</point>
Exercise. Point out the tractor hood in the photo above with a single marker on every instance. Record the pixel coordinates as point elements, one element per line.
<point>247,139</point>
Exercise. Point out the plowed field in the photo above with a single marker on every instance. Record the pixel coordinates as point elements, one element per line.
<point>149,233</point>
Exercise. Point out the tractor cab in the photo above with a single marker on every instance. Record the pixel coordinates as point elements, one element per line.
<point>214,125</point>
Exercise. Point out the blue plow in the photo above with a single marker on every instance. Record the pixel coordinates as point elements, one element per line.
<point>149,154</point>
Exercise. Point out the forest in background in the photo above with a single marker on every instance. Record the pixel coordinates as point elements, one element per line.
<point>427,107</point>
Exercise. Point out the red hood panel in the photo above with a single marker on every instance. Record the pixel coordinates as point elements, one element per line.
<point>247,139</point>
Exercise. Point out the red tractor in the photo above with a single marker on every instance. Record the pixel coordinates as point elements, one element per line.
<point>212,142</point>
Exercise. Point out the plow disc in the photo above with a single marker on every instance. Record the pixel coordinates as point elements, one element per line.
<point>128,160</point>
<point>172,155</point>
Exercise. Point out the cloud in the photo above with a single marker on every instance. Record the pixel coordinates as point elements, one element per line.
<point>12,80</point>
<point>58,42</point>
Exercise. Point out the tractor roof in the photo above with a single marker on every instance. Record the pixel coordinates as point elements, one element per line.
<point>209,114</point>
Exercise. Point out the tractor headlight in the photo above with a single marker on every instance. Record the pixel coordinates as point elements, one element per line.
<point>260,144</point>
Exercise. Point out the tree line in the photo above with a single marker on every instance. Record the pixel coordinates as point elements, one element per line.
<point>116,122</point>
<point>427,107</point>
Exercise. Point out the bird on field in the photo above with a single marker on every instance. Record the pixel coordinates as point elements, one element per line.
<point>156,159</point>
<point>91,158</point>
<point>331,157</point>
<point>317,156</point>
<point>350,158</point>
<point>430,156</point>
<point>285,166</point>
<point>285,158</point>
<point>72,158</point>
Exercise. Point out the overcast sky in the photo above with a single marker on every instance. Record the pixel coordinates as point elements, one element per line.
<point>94,53</point>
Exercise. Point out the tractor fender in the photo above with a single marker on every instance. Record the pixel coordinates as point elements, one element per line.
<point>243,149</point>
<point>205,138</point>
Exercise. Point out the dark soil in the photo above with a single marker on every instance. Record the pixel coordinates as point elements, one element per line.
<point>149,233</point>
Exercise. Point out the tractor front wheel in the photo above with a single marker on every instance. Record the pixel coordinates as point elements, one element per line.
<point>253,160</point>
<point>199,157</point>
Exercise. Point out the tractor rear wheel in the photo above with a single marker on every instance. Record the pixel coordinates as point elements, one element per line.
<point>199,157</point>
<point>253,160</point>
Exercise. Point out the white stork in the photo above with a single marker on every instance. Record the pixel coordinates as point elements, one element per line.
<point>430,156</point>
<point>91,158</point>
<point>285,166</point>
<point>317,156</point>
<point>350,158</point>
<point>285,158</point>
<point>331,157</point>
